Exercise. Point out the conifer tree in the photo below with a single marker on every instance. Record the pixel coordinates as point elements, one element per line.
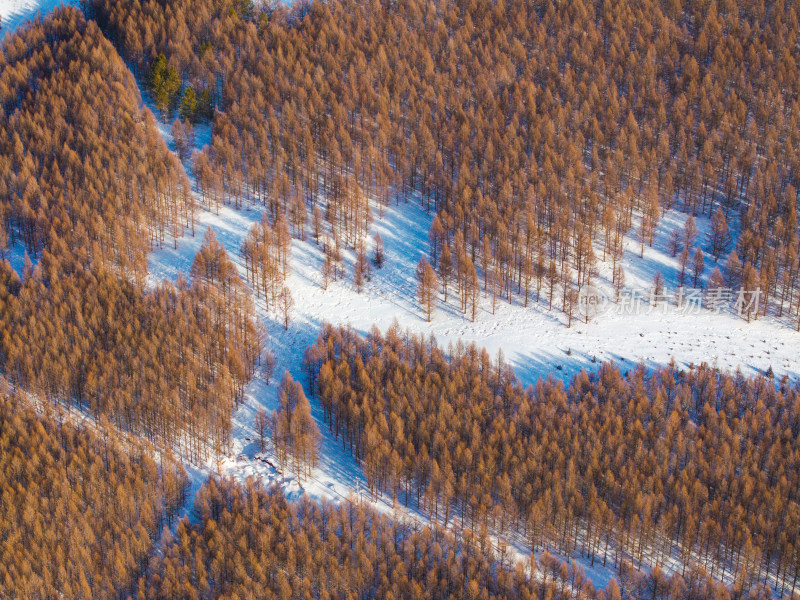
<point>427,285</point>
<point>719,235</point>
<point>697,265</point>
<point>164,83</point>
<point>189,107</point>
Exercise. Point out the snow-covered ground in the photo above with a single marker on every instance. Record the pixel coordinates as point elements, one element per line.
<point>15,12</point>
<point>534,340</point>
<point>15,255</point>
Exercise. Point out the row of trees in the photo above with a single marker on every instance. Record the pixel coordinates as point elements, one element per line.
<point>83,169</point>
<point>542,283</point>
<point>266,251</point>
<point>695,467</point>
<point>88,186</point>
<point>536,131</point>
<point>250,542</point>
<point>81,512</point>
<point>294,433</point>
<point>168,364</point>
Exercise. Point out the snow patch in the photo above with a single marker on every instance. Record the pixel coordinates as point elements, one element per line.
<point>16,12</point>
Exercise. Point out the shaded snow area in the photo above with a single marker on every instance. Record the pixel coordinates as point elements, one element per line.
<point>15,255</point>
<point>15,12</point>
<point>535,341</point>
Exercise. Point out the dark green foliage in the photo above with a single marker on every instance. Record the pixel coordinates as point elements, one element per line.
<point>189,105</point>
<point>164,83</point>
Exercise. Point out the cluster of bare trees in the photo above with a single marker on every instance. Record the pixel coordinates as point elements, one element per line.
<point>294,433</point>
<point>525,126</point>
<point>693,466</point>
<point>266,251</point>
<point>456,271</point>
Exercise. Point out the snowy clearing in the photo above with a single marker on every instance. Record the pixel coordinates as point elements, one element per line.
<point>15,12</point>
<point>535,341</point>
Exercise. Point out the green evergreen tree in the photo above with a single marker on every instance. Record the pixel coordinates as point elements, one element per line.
<point>188,109</point>
<point>165,83</point>
<point>205,108</point>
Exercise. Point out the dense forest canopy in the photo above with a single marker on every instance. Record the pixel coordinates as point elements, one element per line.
<point>81,511</point>
<point>696,466</point>
<point>248,542</point>
<point>540,132</point>
<point>83,169</point>
<point>87,185</point>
